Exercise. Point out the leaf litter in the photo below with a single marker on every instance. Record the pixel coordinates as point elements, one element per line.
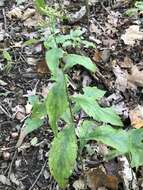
<point>107,33</point>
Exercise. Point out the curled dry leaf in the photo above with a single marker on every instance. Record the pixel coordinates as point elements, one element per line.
<point>135,79</point>
<point>28,13</point>
<point>42,67</point>
<point>97,178</point>
<point>136,117</point>
<point>15,13</point>
<point>19,112</point>
<point>121,78</point>
<point>132,34</point>
<point>77,16</point>
<point>4,180</point>
<point>97,57</point>
<point>79,185</point>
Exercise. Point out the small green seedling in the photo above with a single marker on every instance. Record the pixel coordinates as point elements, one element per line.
<point>138,6</point>
<point>100,122</point>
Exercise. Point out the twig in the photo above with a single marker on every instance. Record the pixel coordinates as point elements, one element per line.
<point>11,164</point>
<point>87,11</point>
<point>105,8</point>
<point>5,112</point>
<point>5,22</point>
<point>42,169</point>
<point>99,25</point>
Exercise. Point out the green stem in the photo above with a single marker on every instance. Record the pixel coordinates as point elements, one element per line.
<point>73,122</point>
<point>69,102</point>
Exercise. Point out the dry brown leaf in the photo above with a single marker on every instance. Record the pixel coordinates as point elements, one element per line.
<point>127,63</point>
<point>132,34</point>
<point>97,56</point>
<point>135,79</point>
<point>42,68</point>
<point>97,178</point>
<point>136,117</point>
<point>33,21</point>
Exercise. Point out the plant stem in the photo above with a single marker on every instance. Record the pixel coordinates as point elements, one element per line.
<point>87,11</point>
<point>72,122</point>
<point>68,98</point>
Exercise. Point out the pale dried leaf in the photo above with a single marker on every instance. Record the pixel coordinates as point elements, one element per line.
<point>132,34</point>
<point>2,83</point>
<point>2,32</point>
<point>28,13</point>
<point>74,17</point>
<point>33,21</point>
<point>136,117</point>
<point>14,179</point>
<point>79,185</point>
<point>15,13</point>
<point>28,108</point>
<point>121,78</point>
<point>127,174</point>
<point>135,79</point>
<point>4,180</point>
<point>19,112</point>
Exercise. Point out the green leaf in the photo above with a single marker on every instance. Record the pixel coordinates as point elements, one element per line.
<point>92,108</point>
<point>115,138</point>
<point>93,92</point>
<point>39,110</point>
<point>52,58</point>
<point>19,2</point>
<point>125,142</point>
<point>33,99</point>
<point>56,103</point>
<point>139,5</point>
<point>31,42</point>
<point>84,131</point>
<point>60,39</point>
<point>136,147</point>
<point>76,33</point>
<point>50,42</point>
<point>62,156</point>
<point>6,55</point>
<point>131,12</point>
<point>29,126</point>
<point>73,59</point>
<point>88,44</point>
<point>40,4</point>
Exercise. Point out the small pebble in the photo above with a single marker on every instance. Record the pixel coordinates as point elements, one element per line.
<point>14,134</point>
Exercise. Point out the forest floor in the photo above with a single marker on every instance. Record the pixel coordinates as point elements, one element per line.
<point>119,59</point>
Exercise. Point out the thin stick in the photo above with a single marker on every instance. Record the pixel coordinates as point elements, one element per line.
<point>11,164</point>
<point>87,11</point>
<point>5,112</point>
<point>42,169</point>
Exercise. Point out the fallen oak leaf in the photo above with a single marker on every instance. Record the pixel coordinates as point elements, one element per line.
<point>136,117</point>
<point>132,34</point>
<point>42,68</point>
<point>97,178</point>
